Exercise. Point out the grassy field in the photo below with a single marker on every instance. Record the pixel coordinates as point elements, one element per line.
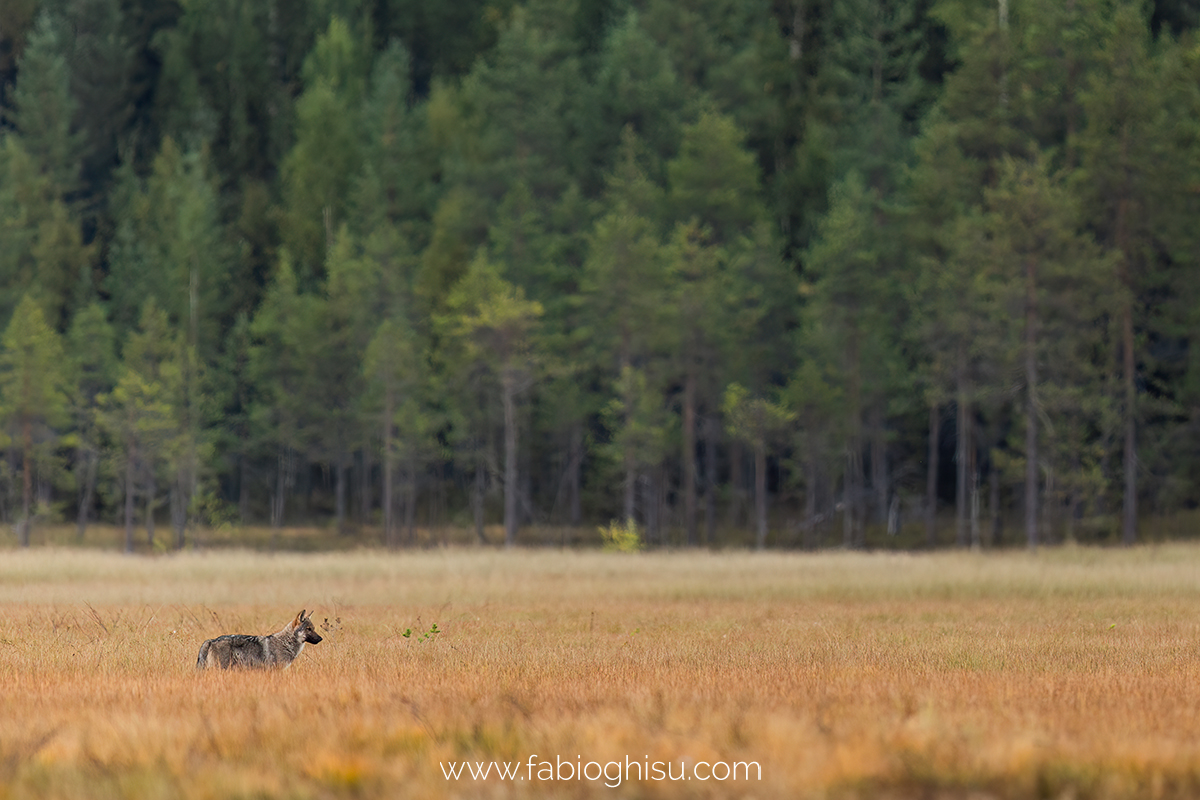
<point>1069,673</point>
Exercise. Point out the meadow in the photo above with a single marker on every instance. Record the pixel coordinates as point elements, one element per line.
<point>1070,672</point>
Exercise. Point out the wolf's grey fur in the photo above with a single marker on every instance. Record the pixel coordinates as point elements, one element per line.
<point>259,652</point>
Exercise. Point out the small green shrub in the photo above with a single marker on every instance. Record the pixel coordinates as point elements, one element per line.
<point>422,637</point>
<point>621,537</point>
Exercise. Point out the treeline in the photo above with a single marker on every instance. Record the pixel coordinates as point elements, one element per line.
<point>409,262</point>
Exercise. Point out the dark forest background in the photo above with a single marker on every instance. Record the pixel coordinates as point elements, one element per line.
<point>789,272</point>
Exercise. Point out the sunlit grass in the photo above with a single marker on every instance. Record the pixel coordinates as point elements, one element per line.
<point>1069,672</point>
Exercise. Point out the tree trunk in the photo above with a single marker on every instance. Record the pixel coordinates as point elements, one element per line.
<point>575,478</point>
<point>760,496</point>
<point>26,477</point>
<point>477,496</point>
<point>277,495</point>
<point>962,454</point>
<point>386,429</point>
<point>178,514</point>
<point>509,392</point>
<point>410,503</point>
<point>1129,528</point>
<point>630,487</point>
<point>130,473</point>
<point>364,484</point>
<point>879,477</point>
<point>243,486</point>
<point>1047,524</point>
<point>282,482</point>
<point>654,531</point>
<point>976,536</point>
<point>854,530</point>
<point>735,484</point>
<point>1129,522</point>
<point>689,457</point>
<point>89,492</point>
<point>151,491</point>
<point>629,455</point>
<point>994,504</point>
<point>850,493</point>
<point>1031,406</point>
<point>339,493</point>
<point>931,479</point>
<point>810,497</point>
<point>712,429</point>
<point>187,483</point>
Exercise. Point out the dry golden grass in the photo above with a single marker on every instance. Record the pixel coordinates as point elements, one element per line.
<point>1069,673</point>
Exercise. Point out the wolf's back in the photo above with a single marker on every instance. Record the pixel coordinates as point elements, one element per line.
<point>234,650</point>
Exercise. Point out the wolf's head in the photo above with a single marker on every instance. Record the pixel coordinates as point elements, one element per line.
<point>303,628</point>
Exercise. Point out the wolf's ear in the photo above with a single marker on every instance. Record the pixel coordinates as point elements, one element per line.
<point>299,620</point>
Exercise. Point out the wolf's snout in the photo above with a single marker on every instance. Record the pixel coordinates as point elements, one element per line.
<point>312,637</point>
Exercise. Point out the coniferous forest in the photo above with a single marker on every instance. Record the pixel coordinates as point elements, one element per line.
<point>785,273</point>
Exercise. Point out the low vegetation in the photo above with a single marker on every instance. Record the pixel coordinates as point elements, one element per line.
<point>1064,673</point>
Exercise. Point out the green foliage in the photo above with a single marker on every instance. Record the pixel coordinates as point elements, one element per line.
<point>621,537</point>
<point>138,415</point>
<point>43,248</point>
<point>319,171</point>
<point>714,182</point>
<point>101,60</point>
<point>169,246</point>
<point>45,109</point>
<point>286,409</point>
<point>32,375</point>
<point>542,247</point>
<point>398,188</point>
<point>427,636</point>
<point>755,420</point>
<point>637,421</point>
<point>637,92</point>
<point>396,373</point>
<point>493,319</point>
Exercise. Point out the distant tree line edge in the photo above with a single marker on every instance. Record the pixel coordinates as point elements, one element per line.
<point>763,273</point>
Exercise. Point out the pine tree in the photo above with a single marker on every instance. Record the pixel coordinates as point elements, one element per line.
<point>160,426</point>
<point>39,170</point>
<point>713,197</point>
<point>285,413</point>
<point>45,109</point>
<point>813,395</point>
<point>138,417</point>
<point>854,302</point>
<point>34,395</point>
<point>169,245</point>
<point>624,288</point>
<point>356,300</point>
<point>759,423</point>
<point>1132,187</point>
<point>639,429</point>
<point>319,171</point>
<point>101,61</point>
<point>871,90</point>
<point>636,90</point>
<point>392,367</point>
<point>91,354</point>
<point>495,326</point>
<point>1055,276</point>
<point>395,188</point>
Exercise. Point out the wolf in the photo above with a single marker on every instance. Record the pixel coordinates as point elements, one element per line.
<point>241,650</point>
